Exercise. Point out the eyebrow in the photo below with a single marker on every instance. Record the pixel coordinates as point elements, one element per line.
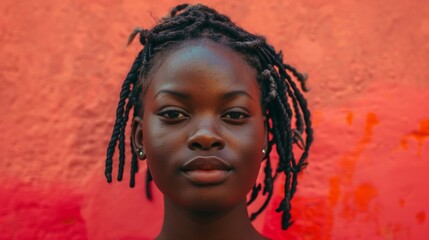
<point>184,96</point>
<point>174,93</point>
<point>236,93</point>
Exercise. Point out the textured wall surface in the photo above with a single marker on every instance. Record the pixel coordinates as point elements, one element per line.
<point>62,64</point>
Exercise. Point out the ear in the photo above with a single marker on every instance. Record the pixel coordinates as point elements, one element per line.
<point>265,147</point>
<point>137,138</point>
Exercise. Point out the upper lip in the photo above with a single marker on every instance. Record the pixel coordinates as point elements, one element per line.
<point>206,163</point>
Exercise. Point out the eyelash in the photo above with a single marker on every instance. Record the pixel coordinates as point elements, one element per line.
<point>243,114</point>
<point>181,115</point>
<point>164,115</point>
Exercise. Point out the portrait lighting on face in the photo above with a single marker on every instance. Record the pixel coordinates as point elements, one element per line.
<point>210,102</point>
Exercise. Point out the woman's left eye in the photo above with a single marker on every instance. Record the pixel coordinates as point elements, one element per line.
<point>236,115</point>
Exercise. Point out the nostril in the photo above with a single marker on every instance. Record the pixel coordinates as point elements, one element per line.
<point>205,140</point>
<point>217,145</point>
<point>196,145</point>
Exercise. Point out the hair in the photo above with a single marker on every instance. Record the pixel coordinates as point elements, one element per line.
<point>282,100</point>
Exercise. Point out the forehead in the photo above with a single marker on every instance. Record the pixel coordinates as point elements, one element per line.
<point>202,62</point>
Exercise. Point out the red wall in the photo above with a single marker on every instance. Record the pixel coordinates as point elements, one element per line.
<point>62,64</point>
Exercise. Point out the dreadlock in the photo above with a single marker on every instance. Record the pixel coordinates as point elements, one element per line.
<point>282,100</point>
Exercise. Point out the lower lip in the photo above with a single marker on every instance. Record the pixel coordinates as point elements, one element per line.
<point>207,177</point>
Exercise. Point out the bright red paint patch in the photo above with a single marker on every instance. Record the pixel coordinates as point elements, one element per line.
<point>34,212</point>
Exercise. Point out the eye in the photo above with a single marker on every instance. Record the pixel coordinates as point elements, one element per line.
<point>172,115</point>
<point>236,115</point>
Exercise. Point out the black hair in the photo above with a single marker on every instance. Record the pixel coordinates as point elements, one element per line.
<point>282,100</point>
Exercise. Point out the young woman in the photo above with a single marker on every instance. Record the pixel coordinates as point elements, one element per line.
<point>210,102</point>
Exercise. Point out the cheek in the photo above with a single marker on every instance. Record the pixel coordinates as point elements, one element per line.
<point>161,145</point>
<point>250,144</point>
<point>251,140</point>
<point>157,138</point>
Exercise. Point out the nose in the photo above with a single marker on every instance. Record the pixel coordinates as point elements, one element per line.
<point>205,138</point>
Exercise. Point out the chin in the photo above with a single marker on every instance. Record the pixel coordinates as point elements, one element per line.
<point>211,206</point>
<point>209,200</point>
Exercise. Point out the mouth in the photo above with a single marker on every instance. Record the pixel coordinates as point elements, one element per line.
<point>206,170</point>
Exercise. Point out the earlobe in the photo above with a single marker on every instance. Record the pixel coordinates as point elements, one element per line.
<point>265,147</point>
<point>137,138</point>
<point>141,154</point>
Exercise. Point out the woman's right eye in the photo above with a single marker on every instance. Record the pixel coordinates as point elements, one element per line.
<point>172,115</point>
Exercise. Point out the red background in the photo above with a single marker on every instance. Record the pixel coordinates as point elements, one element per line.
<point>62,64</point>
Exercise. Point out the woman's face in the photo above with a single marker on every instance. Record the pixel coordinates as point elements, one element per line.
<point>203,128</point>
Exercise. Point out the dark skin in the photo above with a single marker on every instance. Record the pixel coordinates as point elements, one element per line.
<point>203,103</point>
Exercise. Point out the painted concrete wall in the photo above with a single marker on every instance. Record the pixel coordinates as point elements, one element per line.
<point>62,63</point>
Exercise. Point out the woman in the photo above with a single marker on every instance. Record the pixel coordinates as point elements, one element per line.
<point>210,102</point>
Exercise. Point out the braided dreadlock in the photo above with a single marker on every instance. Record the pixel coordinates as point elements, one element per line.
<point>281,98</point>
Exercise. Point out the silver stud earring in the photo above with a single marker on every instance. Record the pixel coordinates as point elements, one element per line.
<point>141,154</point>
<point>264,151</point>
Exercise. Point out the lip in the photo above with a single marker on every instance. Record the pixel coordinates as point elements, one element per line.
<point>206,170</point>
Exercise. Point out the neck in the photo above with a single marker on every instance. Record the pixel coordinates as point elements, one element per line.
<point>229,224</point>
